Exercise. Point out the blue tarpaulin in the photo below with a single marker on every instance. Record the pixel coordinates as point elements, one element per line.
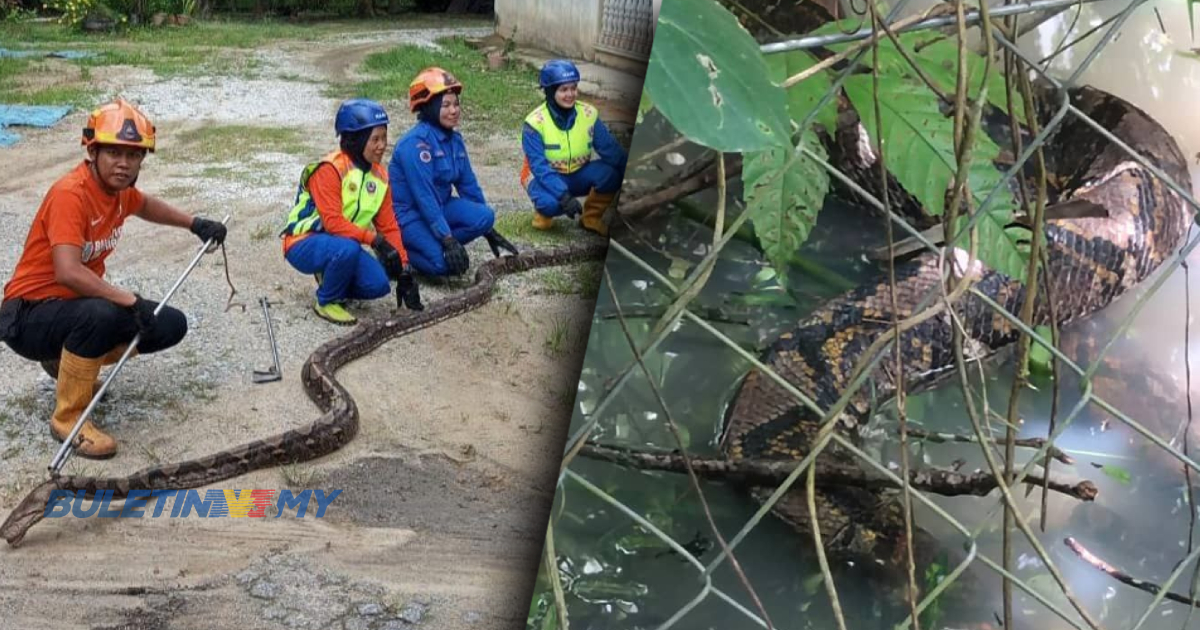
<point>29,115</point>
<point>63,54</point>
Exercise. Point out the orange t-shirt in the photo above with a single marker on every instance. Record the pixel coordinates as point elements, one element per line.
<point>77,212</point>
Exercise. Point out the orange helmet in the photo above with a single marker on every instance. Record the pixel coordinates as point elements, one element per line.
<point>429,83</point>
<point>118,122</point>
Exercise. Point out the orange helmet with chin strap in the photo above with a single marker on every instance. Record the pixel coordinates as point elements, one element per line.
<point>118,123</point>
<point>429,83</point>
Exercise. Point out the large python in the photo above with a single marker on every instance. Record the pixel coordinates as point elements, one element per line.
<point>1091,261</point>
<point>338,422</point>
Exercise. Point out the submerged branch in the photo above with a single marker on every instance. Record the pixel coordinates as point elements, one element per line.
<point>699,175</point>
<point>773,472</point>
<point>1122,577</point>
<point>1035,443</point>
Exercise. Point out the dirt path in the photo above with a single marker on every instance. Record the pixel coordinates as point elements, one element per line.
<point>444,490</point>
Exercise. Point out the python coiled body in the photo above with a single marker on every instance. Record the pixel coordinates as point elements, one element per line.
<point>1091,261</point>
<point>338,422</point>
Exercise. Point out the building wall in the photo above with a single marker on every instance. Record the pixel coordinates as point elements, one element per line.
<point>567,27</point>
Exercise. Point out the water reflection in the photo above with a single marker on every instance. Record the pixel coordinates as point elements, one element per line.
<point>620,576</point>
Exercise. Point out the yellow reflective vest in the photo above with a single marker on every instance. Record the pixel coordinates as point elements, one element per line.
<point>363,195</point>
<point>567,151</point>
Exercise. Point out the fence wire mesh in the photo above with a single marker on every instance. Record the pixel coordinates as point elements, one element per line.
<point>703,572</point>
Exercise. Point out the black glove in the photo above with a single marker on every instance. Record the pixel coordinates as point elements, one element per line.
<point>569,205</point>
<point>388,256</point>
<point>208,229</point>
<point>456,256</point>
<point>407,292</point>
<point>143,313</point>
<point>498,242</point>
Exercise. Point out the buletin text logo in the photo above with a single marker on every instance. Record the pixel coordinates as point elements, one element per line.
<point>184,503</point>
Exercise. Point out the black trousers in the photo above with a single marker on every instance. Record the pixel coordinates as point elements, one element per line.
<point>87,327</point>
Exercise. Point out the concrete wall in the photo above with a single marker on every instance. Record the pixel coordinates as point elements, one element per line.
<point>566,27</point>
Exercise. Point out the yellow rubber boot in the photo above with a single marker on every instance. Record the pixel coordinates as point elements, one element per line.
<point>593,212</point>
<point>76,379</point>
<point>114,355</point>
<point>541,221</point>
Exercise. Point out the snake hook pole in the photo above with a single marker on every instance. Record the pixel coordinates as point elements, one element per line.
<point>68,445</point>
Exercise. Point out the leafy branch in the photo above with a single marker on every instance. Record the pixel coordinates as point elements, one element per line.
<point>708,78</point>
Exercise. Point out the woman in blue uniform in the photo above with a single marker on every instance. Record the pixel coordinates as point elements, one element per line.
<point>568,153</point>
<point>429,164</point>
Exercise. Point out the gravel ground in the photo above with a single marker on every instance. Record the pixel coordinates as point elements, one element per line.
<point>493,384</point>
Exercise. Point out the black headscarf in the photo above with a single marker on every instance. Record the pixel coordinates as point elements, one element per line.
<point>353,143</point>
<point>431,112</point>
<point>564,118</point>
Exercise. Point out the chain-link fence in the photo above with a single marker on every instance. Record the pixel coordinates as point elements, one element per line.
<point>1068,609</point>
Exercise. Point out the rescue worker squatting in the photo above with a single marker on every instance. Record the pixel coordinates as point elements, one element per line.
<point>58,308</point>
<point>338,210</point>
<point>428,165</point>
<point>559,139</point>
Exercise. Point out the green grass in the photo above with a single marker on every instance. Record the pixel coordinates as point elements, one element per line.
<point>581,280</point>
<point>518,228</point>
<point>558,337</point>
<point>66,93</point>
<point>493,100</point>
<point>227,143</point>
<point>263,231</point>
<point>11,68</point>
<point>209,47</point>
<point>175,60</point>
<point>224,32</point>
<point>73,95</point>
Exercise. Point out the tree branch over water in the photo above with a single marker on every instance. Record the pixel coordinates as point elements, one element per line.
<point>772,472</point>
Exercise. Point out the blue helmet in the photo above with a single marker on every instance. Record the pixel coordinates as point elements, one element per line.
<point>558,72</point>
<point>357,114</point>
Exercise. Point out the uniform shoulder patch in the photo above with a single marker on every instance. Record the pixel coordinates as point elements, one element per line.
<point>425,156</point>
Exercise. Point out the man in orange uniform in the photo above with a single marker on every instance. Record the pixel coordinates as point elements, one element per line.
<point>58,308</point>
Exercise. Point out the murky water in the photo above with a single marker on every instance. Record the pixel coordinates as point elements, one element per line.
<point>623,577</point>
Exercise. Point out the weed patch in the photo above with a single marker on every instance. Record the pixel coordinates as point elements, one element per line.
<point>518,227</point>
<point>227,143</point>
<point>493,100</point>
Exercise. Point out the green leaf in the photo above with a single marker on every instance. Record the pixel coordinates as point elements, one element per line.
<point>914,408</point>
<point>813,583</point>
<point>707,76</point>
<point>938,57</point>
<point>1117,473</point>
<point>765,275</point>
<point>803,97</point>
<point>644,106</point>
<point>783,204</point>
<point>1040,359</point>
<point>939,60</point>
<point>918,143</point>
<point>679,268</point>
